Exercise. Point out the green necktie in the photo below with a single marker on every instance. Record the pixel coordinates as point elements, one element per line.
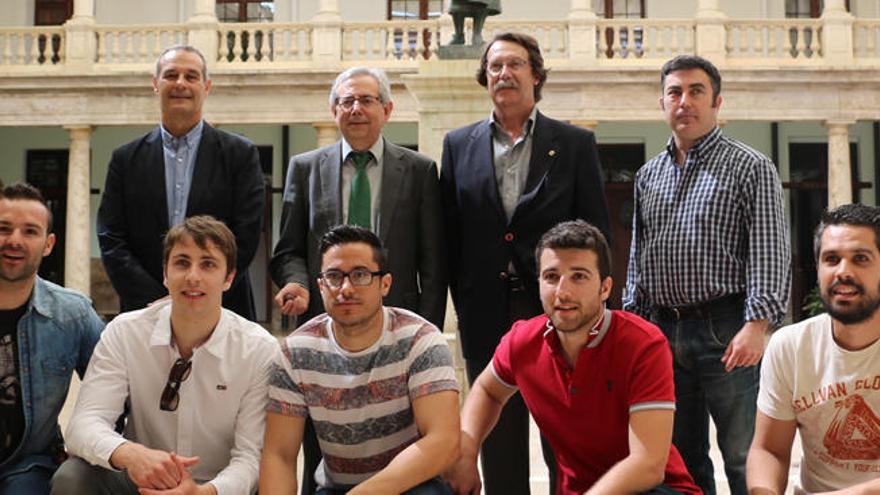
<point>359,199</point>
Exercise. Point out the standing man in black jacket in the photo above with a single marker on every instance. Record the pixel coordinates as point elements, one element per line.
<point>182,168</point>
<point>505,181</point>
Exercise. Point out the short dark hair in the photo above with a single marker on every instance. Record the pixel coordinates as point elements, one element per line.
<point>348,234</point>
<point>201,229</point>
<point>25,191</point>
<point>182,48</point>
<point>536,60</point>
<point>577,234</point>
<point>687,62</point>
<point>856,214</point>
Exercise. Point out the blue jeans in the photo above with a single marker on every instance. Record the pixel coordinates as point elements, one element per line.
<point>34,481</point>
<point>434,486</point>
<point>703,387</point>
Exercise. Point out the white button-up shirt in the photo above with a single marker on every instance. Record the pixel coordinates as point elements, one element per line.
<point>221,414</point>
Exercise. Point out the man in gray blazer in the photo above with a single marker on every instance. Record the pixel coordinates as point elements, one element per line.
<point>366,180</point>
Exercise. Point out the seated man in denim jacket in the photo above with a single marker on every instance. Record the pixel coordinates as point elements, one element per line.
<point>46,332</point>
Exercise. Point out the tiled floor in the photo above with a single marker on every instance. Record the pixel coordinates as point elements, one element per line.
<point>538,469</point>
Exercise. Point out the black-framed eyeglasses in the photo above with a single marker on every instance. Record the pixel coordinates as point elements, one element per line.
<point>359,276</point>
<point>179,373</point>
<point>347,103</point>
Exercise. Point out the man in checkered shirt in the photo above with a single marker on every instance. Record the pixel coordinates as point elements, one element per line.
<point>710,265</point>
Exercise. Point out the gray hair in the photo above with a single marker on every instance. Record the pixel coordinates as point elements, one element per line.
<point>377,74</point>
<point>182,48</point>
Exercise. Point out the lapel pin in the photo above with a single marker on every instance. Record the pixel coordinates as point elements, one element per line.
<point>552,152</point>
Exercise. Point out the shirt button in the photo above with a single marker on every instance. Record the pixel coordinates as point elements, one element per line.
<point>508,237</point>
<point>574,390</point>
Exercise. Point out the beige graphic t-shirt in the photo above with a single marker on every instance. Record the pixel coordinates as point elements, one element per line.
<point>834,395</point>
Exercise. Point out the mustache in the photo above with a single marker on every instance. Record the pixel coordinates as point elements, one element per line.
<point>859,288</point>
<point>506,84</point>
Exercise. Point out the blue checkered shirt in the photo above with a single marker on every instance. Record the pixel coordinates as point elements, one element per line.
<point>711,228</point>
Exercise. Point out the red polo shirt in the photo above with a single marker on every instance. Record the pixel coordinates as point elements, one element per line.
<point>584,411</point>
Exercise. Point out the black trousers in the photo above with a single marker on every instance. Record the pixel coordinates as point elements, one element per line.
<point>504,456</point>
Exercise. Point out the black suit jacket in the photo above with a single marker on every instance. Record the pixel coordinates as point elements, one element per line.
<point>133,217</point>
<point>410,227</point>
<point>563,183</point>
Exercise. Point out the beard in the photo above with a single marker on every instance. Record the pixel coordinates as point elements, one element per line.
<point>855,311</point>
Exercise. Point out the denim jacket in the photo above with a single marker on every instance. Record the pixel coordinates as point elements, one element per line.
<point>55,336</point>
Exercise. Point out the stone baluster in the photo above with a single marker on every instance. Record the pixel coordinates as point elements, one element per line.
<point>202,27</point>
<point>327,33</point>
<point>711,33</point>
<point>837,34</point>
<point>582,32</point>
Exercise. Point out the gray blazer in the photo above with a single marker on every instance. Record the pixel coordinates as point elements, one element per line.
<point>411,227</point>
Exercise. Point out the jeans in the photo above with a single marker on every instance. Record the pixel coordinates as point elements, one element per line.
<point>78,477</point>
<point>703,387</point>
<point>434,486</point>
<point>34,481</point>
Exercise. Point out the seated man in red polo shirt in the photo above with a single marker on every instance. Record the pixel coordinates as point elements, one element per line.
<point>598,382</point>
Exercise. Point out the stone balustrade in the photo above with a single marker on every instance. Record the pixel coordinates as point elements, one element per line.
<point>253,44</point>
<point>403,43</point>
<point>866,39</point>
<point>32,46</point>
<point>782,41</point>
<point>135,44</point>
<point>635,40</point>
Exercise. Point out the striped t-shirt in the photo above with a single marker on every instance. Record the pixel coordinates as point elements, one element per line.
<point>360,402</point>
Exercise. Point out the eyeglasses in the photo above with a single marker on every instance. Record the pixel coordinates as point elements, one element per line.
<point>347,103</point>
<point>513,65</point>
<point>358,277</point>
<point>179,373</point>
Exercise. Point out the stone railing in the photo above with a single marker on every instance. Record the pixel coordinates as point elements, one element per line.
<point>606,42</point>
<point>132,44</point>
<point>32,46</point>
<point>782,41</point>
<point>391,40</point>
<point>643,39</point>
<point>866,38</point>
<point>264,43</point>
<point>551,35</point>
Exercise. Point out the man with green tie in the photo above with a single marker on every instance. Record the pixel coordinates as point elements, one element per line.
<point>362,179</point>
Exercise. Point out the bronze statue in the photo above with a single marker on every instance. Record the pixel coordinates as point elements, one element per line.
<point>478,10</point>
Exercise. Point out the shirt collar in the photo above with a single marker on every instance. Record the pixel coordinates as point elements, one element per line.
<point>597,334</point>
<point>702,145</point>
<point>528,125</point>
<point>169,141</point>
<point>377,149</point>
<point>161,334</point>
<point>39,299</point>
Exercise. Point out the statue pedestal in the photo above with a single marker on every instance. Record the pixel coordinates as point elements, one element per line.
<point>460,52</point>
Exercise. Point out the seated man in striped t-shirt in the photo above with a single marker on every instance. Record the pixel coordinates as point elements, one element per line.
<point>377,382</point>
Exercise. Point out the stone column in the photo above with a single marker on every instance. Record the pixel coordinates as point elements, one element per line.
<point>326,133</point>
<point>839,170</point>
<point>80,48</point>
<point>837,34</point>
<point>582,32</point>
<point>77,253</point>
<point>202,29</point>
<point>327,33</point>
<point>711,36</point>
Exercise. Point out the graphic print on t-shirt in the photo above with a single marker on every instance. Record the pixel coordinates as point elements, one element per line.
<point>854,433</point>
<point>9,394</point>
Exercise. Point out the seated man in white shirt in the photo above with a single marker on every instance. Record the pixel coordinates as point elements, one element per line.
<point>192,376</point>
<point>821,377</point>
